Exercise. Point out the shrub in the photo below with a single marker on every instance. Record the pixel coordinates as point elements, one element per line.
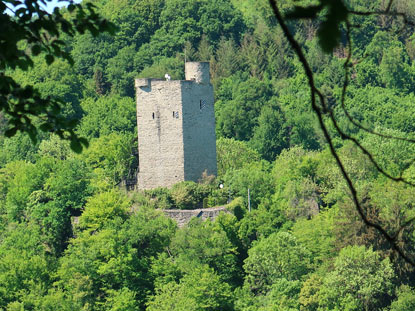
<point>188,194</point>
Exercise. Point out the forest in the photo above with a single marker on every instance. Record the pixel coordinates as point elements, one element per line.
<point>72,239</point>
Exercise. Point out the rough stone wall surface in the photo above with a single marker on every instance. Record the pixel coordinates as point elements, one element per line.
<point>182,217</point>
<point>198,130</point>
<point>176,128</point>
<point>198,71</point>
<point>160,133</point>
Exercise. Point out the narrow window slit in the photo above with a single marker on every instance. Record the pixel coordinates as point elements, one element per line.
<point>202,104</point>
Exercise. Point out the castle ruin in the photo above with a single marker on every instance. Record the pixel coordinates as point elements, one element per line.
<point>176,128</point>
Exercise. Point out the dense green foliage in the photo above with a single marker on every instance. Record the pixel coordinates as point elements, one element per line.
<point>72,239</point>
<point>29,30</point>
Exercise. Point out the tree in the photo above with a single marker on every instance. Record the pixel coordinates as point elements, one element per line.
<point>113,162</point>
<point>206,243</point>
<point>69,185</point>
<point>254,176</point>
<point>121,300</point>
<point>29,32</point>
<point>120,71</point>
<point>25,178</point>
<point>282,296</point>
<point>295,177</point>
<point>188,194</point>
<point>172,65</point>
<point>57,80</point>
<point>199,290</point>
<point>335,20</point>
<point>224,64</point>
<point>137,20</point>
<point>300,122</point>
<point>112,264</point>
<point>360,280</point>
<point>18,147</point>
<point>187,21</point>
<point>237,113</point>
<point>25,266</point>
<point>278,256</point>
<point>56,199</point>
<point>54,148</point>
<point>270,136</point>
<point>233,154</point>
<point>317,235</point>
<point>405,301</point>
<point>106,115</point>
<point>103,208</point>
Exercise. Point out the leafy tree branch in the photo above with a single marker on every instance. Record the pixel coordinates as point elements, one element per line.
<point>29,32</point>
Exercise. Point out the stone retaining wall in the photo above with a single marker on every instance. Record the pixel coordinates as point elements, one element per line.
<point>182,217</point>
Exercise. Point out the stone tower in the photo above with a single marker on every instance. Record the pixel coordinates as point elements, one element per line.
<point>176,128</point>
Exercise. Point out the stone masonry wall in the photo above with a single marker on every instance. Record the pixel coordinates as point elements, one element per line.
<point>182,217</point>
<point>198,72</point>
<point>176,128</point>
<point>199,137</point>
<point>160,133</point>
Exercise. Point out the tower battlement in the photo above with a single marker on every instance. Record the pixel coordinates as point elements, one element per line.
<point>198,72</point>
<point>176,128</point>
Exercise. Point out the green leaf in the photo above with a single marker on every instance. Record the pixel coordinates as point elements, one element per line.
<point>27,92</point>
<point>11,132</point>
<point>23,64</point>
<point>71,7</point>
<point>49,59</point>
<point>20,11</point>
<point>84,142</point>
<point>302,12</point>
<point>73,123</point>
<point>32,134</point>
<point>329,35</point>
<point>329,32</point>
<point>76,145</point>
<point>45,127</point>
<point>36,49</point>
<point>55,108</point>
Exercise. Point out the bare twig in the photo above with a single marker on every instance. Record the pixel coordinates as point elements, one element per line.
<point>314,92</point>
<point>360,126</point>
<point>344,89</point>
